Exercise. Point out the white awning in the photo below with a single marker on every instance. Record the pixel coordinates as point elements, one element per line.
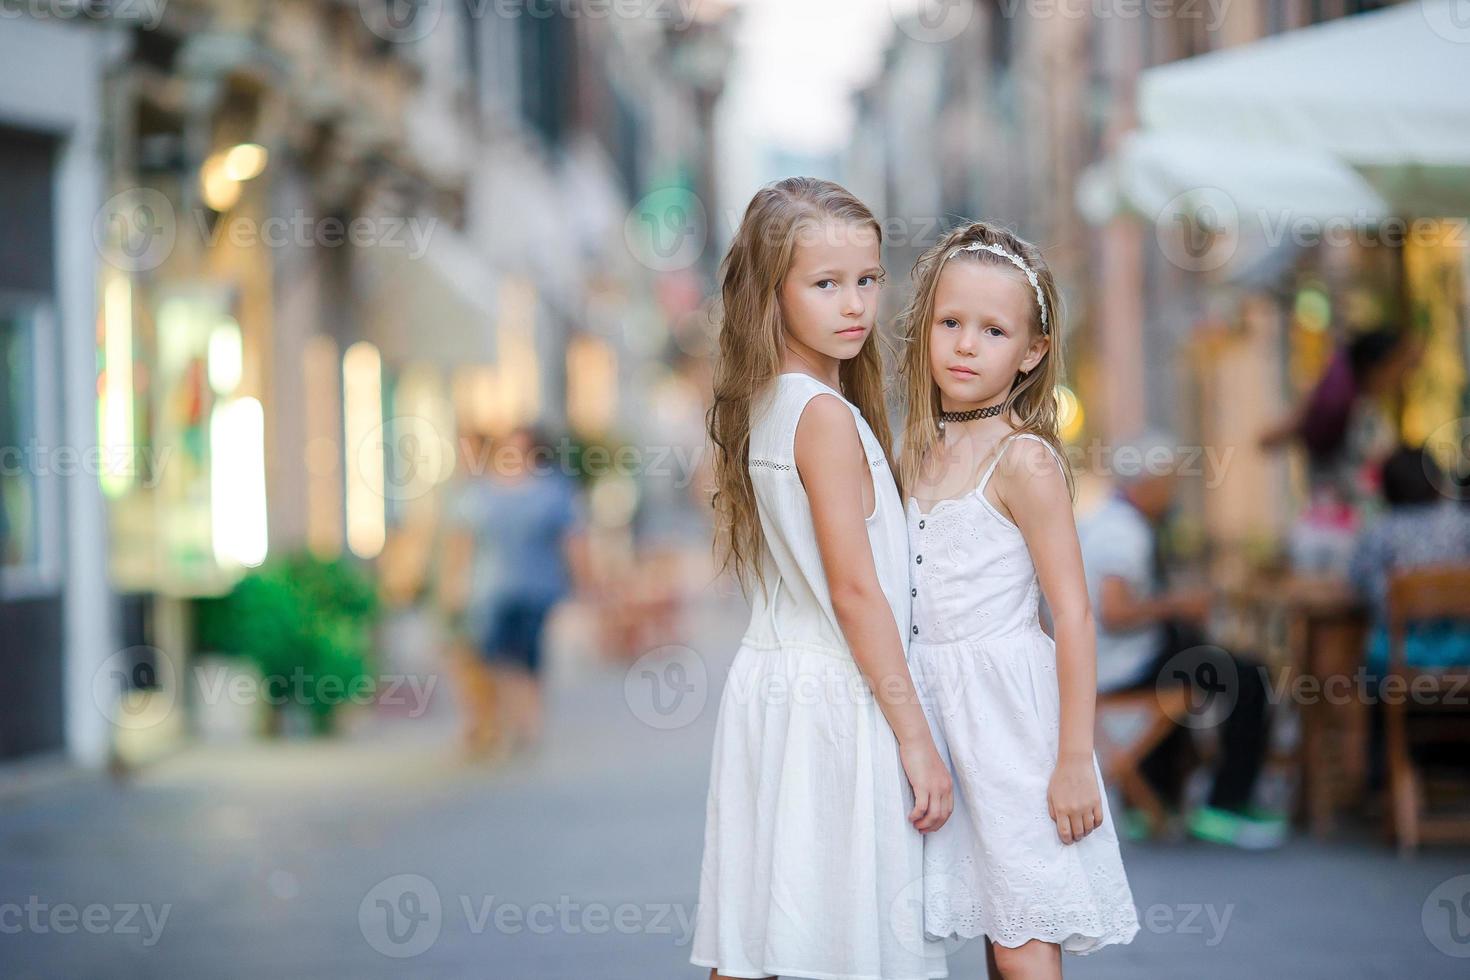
<point>1154,173</point>
<point>1386,92</point>
<point>1385,88</point>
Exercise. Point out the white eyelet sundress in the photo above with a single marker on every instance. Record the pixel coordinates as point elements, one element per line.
<point>811,867</point>
<point>987,674</point>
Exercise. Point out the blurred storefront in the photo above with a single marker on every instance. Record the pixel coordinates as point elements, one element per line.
<point>1220,202</point>
<point>1294,209</point>
<point>57,620</point>
<point>326,245</point>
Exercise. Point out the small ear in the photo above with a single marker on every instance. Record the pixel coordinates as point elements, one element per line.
<point>1035,353</point>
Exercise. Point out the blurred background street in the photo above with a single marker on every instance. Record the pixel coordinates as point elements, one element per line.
<point>358,614</point>
<point>258,862</point>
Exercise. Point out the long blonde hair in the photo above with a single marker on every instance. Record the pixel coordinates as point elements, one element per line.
<point>751,341</point>
<point>1032,398</point>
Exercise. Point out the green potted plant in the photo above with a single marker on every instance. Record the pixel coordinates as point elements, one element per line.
<point>305,624</point>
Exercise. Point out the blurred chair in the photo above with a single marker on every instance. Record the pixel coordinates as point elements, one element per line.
<point>1435,711</point>
<point>1130,725</point>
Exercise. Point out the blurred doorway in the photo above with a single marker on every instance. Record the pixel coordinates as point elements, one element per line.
<point>31,605</point>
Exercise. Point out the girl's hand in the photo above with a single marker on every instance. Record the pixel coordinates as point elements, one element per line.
<point>933,789</point>
<point>1073,800</point>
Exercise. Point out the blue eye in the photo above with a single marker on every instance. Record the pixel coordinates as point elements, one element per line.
<point>826,282</point>
<point>949,322</point>
<point>867,280</point>
<point>995,331</point>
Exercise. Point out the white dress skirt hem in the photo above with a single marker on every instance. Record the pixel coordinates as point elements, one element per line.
<point>810,864</point>
<point>997,868</point>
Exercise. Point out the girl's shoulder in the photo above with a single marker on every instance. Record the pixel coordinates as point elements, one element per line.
<point>801,387</point>
<point>1027,457</point>
<point>794,395</point>
<point>793,400</point>
<point>1031,477</point>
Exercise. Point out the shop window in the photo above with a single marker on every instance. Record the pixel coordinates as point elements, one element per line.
<point>29,454</point>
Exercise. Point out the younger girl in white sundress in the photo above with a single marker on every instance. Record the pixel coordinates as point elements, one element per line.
<point>1030,857</point>
<point>819,790</point>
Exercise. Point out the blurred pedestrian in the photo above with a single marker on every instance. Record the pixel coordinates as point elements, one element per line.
<point>1148,635</point>
<point>518,542</point>
<point>1345,427</point>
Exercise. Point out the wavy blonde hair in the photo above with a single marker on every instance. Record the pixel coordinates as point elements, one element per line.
<point>751,339</point>
<point>1032,398</point>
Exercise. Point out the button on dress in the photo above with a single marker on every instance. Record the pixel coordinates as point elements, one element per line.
<point>987,675</point>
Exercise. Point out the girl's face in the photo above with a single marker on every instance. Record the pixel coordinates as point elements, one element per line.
<point>981,334</point>
<point>829,298</point>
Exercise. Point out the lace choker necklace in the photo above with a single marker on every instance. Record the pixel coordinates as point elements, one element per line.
<point>990,411</point>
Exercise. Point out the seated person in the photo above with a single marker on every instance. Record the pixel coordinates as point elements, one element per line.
<point>1147,636</point>
<point>1421,526</point>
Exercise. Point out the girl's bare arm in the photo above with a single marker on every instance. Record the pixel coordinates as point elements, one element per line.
<point>834,469</point>
<point>1034,490</point>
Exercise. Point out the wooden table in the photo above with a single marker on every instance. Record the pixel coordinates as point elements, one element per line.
<point>1318,668</point>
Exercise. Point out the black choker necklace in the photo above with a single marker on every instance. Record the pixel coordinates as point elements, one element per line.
<point>989,411</point>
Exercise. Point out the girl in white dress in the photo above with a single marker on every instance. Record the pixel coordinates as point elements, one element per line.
<point>824,774</point>
<point>1030,857</point>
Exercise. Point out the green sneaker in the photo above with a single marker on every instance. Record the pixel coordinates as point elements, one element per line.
<point>1247,832</point>
<point>1136,826</point>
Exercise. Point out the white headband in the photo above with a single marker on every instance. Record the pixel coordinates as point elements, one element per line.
<point>1015,260</point>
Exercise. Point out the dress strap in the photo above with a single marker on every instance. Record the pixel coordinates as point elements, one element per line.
<point>1006,444</point>
<point>1049,447</point>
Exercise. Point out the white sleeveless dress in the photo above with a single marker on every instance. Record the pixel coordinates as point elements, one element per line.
<point>811,867</point>
<point>987,674</point>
